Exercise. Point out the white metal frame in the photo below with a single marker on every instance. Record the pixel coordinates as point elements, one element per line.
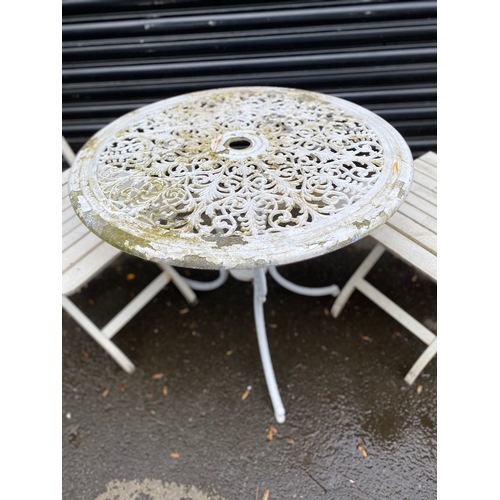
<point>410,234</point>
<point>259,297</point>
<point>84,256</point>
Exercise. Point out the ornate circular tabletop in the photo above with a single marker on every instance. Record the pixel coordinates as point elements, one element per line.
<point>238,178</point>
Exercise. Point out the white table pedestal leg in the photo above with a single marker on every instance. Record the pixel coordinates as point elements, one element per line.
<point>259,297</point>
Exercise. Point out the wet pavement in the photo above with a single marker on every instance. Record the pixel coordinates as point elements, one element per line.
<point>195,420</point>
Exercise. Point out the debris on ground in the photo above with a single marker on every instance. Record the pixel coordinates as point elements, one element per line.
<point>246,393</point>
<point>271,432</point>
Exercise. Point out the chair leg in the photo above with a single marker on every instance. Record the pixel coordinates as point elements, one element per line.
<point>180,283</point>
<point>135,305</point>
<point>421,362</point>
<point>358,282</point>
<point>97,335</point>
<point>358,275</point>
<point>399,314</point>
<point>259,296</point>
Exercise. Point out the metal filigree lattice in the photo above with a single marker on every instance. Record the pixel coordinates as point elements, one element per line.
<point>239,163</point>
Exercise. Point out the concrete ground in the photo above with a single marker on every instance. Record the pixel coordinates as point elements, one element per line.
<point>195,421</point>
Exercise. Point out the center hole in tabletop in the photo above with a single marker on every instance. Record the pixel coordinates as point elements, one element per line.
<point>239,143</point>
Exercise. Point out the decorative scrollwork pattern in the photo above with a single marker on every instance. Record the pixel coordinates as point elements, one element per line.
<point>240,163</point>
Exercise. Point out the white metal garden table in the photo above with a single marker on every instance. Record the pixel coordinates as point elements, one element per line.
<point>242,180</point>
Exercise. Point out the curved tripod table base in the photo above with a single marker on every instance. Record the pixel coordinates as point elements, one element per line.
<point>258,276</point>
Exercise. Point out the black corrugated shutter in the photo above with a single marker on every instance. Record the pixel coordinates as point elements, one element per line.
<point>119,55</point>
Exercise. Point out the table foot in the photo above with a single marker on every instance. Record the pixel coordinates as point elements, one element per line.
<point>280,416</point>
<point>333,290</point>
<point>260,292</point>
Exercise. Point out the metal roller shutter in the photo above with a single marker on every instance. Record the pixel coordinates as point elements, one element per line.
<point>119,55</point>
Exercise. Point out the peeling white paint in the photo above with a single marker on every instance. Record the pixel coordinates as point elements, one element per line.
<point>84,205</point>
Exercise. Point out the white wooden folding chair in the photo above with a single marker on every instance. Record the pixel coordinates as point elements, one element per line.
<point>84,256</point>
<point>411,234</point>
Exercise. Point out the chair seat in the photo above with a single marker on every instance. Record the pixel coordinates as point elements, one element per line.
<point>411,233</point>
<point>84,255</point>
